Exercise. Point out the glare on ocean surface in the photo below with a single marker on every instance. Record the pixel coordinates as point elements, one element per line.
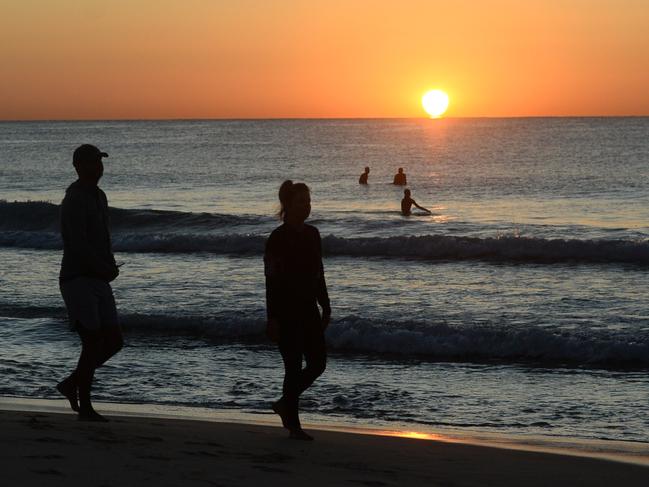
<point>435,102</point>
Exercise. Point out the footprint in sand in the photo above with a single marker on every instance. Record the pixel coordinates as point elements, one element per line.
<point>48,471</point>
<point>44,457</point>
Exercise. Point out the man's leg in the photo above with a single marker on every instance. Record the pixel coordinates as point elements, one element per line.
<point>112,342</point>
<point>111,332</point>
<point>91,349</point>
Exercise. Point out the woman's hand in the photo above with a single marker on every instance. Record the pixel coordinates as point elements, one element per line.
<point>326,319</point>
<point>108,272</point>
<point>272,330</point>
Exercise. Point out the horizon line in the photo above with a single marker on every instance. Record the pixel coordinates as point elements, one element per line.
<point>259,119</point>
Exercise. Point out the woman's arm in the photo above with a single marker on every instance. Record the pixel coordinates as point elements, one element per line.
<point>321,287</point>
<point>272,266</point>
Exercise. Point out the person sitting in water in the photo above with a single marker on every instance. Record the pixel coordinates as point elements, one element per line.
<point>400,178</point>
<point>363,178</point>
<point>407,202</point>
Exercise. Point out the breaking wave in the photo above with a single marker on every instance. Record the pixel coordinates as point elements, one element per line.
<point>437,341</point>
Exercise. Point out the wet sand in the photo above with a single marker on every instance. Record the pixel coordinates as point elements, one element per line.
<point>51,449</point>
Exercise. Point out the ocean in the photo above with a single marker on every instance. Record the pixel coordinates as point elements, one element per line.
<point>518,307</point>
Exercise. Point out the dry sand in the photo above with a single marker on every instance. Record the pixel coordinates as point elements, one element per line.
<point>51,449</point>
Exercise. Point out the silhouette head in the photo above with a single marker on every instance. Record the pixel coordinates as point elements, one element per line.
<point>87,162</point>
<point>400,170</point>
<point>367,169</point>
<point>295,200</point>
<point>406,193</point>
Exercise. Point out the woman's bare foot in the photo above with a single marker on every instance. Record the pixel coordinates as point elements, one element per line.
<point>68,388</point>
<point>280,408</point>
<point>299,434</point>
<point>91,415</point>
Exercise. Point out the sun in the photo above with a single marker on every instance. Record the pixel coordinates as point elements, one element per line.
<point>435,102</point>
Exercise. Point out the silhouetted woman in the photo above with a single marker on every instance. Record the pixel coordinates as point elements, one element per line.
<point>295,284</point>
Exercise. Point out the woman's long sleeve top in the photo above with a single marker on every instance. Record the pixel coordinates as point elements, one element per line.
<point>294,272</point>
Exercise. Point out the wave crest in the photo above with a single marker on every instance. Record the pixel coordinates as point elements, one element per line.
<point>431,247</point>
<point>436,341</point>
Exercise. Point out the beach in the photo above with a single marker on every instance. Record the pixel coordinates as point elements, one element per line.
<point>47,448</point>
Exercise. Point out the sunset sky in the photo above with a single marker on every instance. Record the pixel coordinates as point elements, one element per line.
<point>134,59</point>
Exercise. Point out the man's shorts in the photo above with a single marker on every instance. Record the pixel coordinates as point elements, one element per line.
<point>90,303</point>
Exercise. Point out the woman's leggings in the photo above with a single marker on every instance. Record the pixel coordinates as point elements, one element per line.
<point>297,339</point>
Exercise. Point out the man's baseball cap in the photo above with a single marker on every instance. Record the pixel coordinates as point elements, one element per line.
<point>85,153</point>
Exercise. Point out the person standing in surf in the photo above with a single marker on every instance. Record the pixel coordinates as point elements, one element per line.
<point>295,285</point>
<point>87,268</point>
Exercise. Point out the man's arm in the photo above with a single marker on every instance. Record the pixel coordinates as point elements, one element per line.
<point>107,212</point>
<point>421,207</point>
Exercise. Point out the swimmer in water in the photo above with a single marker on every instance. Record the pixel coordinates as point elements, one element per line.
<point>400,178</point>
<point>363,178</point>
<point>407,203</point>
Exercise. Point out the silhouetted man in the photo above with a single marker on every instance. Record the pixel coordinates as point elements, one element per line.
<point>407,203</point>
<point>363,178</point>
<point>400,178</point>
<point>87,268</point>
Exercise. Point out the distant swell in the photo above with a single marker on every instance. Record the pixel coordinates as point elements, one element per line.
<point>436,341</point>
<point>512,249</point>
<point>43,216</point>
<point>34,225</point>
<point>142,242</point>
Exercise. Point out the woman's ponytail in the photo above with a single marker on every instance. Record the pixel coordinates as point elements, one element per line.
<point>286,192</point>
<point>285,195</point>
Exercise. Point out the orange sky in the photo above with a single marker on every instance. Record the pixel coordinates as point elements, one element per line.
<point>87,59</point>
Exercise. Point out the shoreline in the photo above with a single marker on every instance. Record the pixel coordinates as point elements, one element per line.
<point>627,452</point>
